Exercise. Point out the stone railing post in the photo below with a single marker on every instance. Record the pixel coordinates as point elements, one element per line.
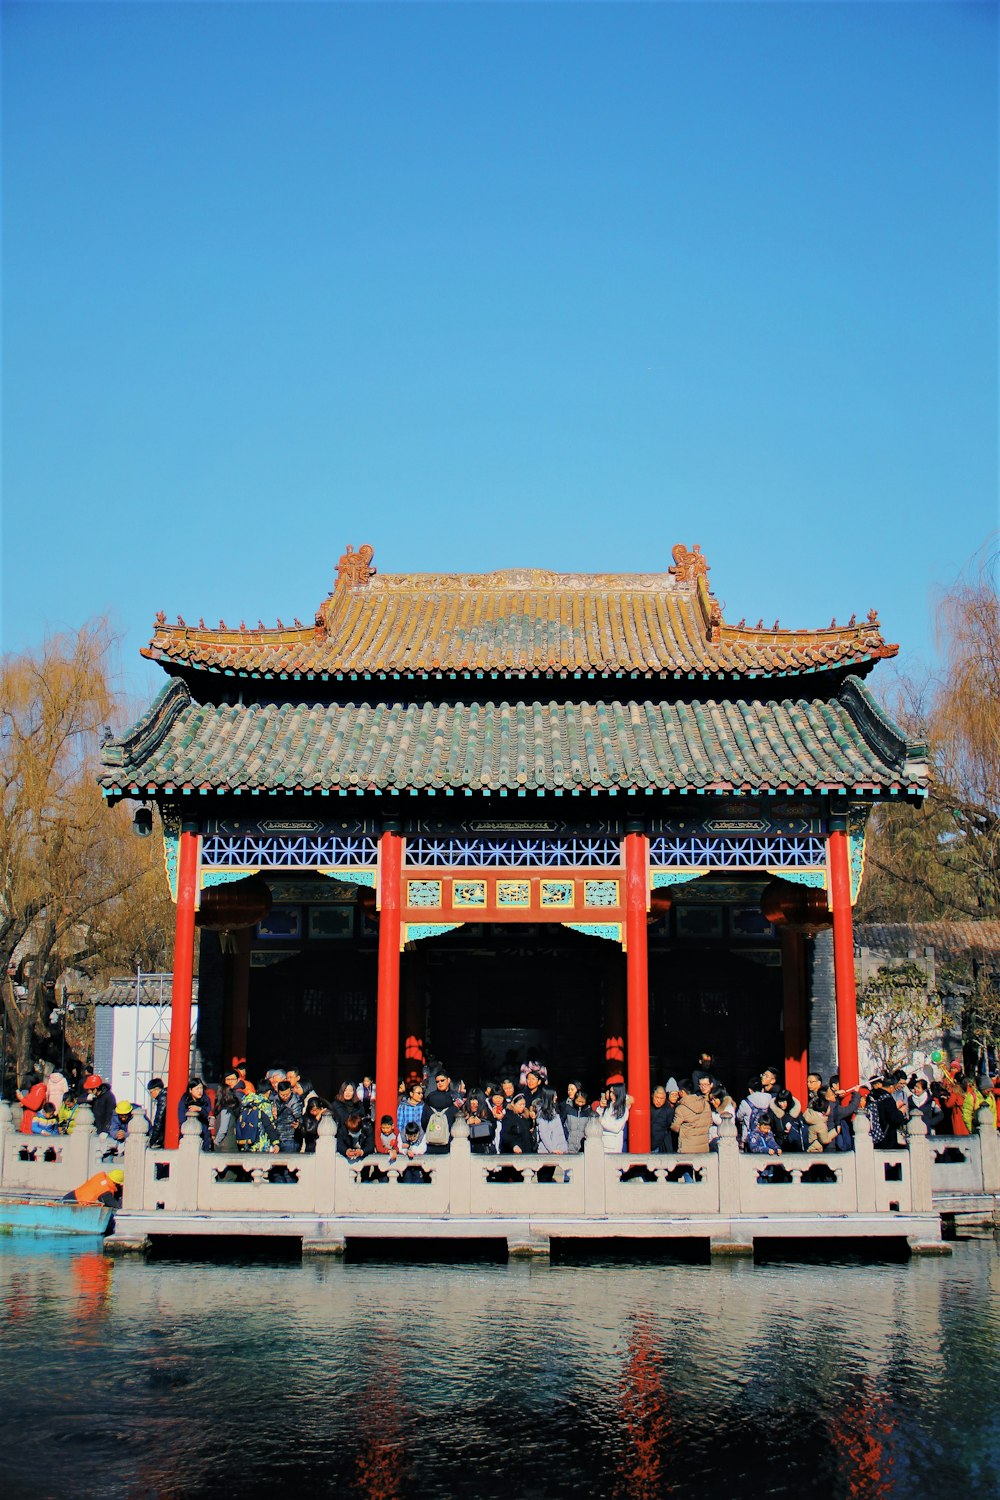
<point>325,1158</point>
<point>460,1169</point>
<point>730,1200</point>
<point>185,1166</point>
<point>136,1144</point>
<point>989,1146</point>
<point>864,1164</point>
<point>596,1163</point>
<point>82,1149</point>
<point>921,1194</point>
<point>7,1136</point>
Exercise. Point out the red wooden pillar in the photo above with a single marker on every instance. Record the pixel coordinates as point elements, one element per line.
<point>843,953</point>
<point>390,860</point>
<point>637,983</point>
<point>793,948</point>
<point>179,1062</point>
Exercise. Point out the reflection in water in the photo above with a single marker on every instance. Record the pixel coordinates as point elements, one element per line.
<point>169,1380</point>
<point>643,1413</point>
<point>380,1468</point>
<point>861,1434</point>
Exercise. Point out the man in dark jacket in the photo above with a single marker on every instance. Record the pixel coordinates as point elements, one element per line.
<point>288,1117</point>
<point>705,1069</point>
<point>102,1102</point>
<point>661,1142</point>
<point>158,1098</point>
<point>355,1137</point>
<point>890,1116</point>
<point>439,1105</point>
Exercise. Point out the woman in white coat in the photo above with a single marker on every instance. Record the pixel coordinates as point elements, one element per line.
<point>614,1117</point>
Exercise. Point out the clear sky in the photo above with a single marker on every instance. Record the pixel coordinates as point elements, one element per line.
<point>487,285</point>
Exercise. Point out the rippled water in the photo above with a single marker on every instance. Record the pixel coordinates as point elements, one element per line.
<point>524,1380</point>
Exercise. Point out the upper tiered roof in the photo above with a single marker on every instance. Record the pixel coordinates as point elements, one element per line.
<point>823,744</point>
<point>520,623</point>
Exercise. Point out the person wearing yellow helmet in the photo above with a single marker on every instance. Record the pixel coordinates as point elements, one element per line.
<point>103,1187</point>
<point>124,1112</point>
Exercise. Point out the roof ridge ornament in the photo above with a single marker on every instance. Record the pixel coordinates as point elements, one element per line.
<point>355,570</point>
<point>688,565</point>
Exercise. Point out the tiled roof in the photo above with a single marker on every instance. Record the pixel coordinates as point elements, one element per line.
<point>734,744</point>
<point>948,939</point>
<point>520,623</point>
<point>154,989</point>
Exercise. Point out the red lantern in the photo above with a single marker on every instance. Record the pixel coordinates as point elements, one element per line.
<point>801,908</point>
<point>227,908</point>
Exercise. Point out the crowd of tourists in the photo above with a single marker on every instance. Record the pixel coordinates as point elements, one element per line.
<point>520,1113</point>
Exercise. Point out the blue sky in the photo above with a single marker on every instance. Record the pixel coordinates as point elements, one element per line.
<point>489,285</point>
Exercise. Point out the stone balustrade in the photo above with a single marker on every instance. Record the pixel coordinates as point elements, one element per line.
<point>48,1165</point>
<point>588,1185</point>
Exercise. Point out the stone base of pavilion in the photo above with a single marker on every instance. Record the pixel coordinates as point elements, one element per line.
<point>135,1233</point>
<point>729,1201</point>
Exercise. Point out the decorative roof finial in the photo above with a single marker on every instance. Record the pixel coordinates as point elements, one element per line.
<point>161,617</point>
<point>688,565</point>
<point>355,568</point>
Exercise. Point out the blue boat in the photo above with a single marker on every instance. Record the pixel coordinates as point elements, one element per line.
<point>45,1216</point>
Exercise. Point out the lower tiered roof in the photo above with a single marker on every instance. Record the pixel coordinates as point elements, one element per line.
<point>571,746</point>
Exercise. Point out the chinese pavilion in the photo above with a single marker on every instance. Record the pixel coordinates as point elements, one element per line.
<point>516,813</point>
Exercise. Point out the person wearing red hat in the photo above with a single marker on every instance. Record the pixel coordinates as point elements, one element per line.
<point>101,1100</point>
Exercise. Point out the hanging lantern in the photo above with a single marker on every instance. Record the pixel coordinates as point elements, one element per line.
<point>800,908</point>
<point>227,908</point>
<point>366,901</point>
<point>660,902</point>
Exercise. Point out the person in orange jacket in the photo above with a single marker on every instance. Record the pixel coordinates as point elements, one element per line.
<point>955,1102</point>
<point>32,1098</point>
<point>103,1187</point>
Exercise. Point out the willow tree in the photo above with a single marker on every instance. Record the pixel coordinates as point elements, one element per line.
<point>965,727</point>
<point>898,1012</point>
<point>943,859</point>
<point>75,885</point>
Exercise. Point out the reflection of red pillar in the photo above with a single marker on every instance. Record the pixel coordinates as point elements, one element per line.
<point>843,954</point>
<point>637,985</point>
<point>390,857</point>
<point>614,1024</point>
<point>794,1008</point>
<point>237,998</point>
<point>180,1000</point>
<point>413,1024</point>
<point>644,1409</point>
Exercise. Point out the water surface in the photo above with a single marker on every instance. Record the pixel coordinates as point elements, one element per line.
<point>173,1380</point>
